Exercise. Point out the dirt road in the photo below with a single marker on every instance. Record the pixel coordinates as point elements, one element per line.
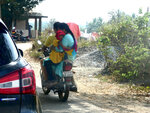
<point>95,96</point>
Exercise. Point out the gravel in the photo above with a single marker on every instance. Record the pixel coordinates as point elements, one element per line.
<point>89,57</point>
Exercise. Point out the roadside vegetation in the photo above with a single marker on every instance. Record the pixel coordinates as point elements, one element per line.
<point>127,37</point>
<point>86,43</point>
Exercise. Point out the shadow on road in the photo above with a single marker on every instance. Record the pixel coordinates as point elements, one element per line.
<point>51,104</point>
<point>115,103</point>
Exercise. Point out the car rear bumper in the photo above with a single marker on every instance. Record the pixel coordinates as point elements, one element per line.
<point>10,103</point>
<point>26,103</point>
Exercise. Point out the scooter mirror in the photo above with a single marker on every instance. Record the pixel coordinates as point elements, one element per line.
<point>39,42</point>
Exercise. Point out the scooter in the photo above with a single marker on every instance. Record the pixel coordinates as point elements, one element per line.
<point>18,36</point>
<point>63,85</point>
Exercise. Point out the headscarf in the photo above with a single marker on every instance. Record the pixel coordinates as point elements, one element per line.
<point>59,33</point>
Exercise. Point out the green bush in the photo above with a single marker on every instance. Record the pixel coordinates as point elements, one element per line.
<point>129,36</point>
<point>86,43</point>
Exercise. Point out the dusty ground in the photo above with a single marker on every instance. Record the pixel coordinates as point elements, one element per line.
<point>119,98</point>
<point>112,96</point>
<point>116,98</point>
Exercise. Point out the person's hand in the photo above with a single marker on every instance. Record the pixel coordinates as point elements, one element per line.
<point>44,48</point>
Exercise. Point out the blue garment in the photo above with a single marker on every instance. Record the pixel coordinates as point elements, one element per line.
<point>58,68</point>
<point>50,66</point>
<point>68,41</point>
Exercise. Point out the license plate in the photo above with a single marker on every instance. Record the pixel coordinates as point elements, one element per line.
<point>67,73</point>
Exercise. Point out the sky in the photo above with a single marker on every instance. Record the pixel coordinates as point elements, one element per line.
<point>84,11</point>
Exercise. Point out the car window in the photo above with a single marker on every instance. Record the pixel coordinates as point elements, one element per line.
<point>8,51</point>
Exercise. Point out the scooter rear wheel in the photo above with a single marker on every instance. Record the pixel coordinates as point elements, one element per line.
<point>63,95</point>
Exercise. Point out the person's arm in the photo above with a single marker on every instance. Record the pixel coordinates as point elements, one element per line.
<point>67,42</point>
<point>64,47</point>
<point>48,42</point>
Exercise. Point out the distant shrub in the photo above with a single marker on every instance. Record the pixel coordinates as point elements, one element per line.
<point>86,43</point>
<point>34,53</point>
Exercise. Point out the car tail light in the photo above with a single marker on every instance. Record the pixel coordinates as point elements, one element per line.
<point>10,83</point>
<point>15,84</point>
<point>28,81</point>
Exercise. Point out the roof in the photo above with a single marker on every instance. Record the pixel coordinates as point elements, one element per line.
<point>36,15</point>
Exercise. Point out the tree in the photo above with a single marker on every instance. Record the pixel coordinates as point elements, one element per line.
<point>51,23</point>
<point>13,9</point>
<point>49,27</point>
<point>82,28</point>
<point>94,25</point>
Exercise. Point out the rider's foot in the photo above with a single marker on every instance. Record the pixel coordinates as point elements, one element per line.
<point>73,88</point>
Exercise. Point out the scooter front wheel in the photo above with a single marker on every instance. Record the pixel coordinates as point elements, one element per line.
<point>45,89</point>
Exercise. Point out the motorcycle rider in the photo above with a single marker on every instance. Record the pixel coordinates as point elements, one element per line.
<point>48,43</point>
